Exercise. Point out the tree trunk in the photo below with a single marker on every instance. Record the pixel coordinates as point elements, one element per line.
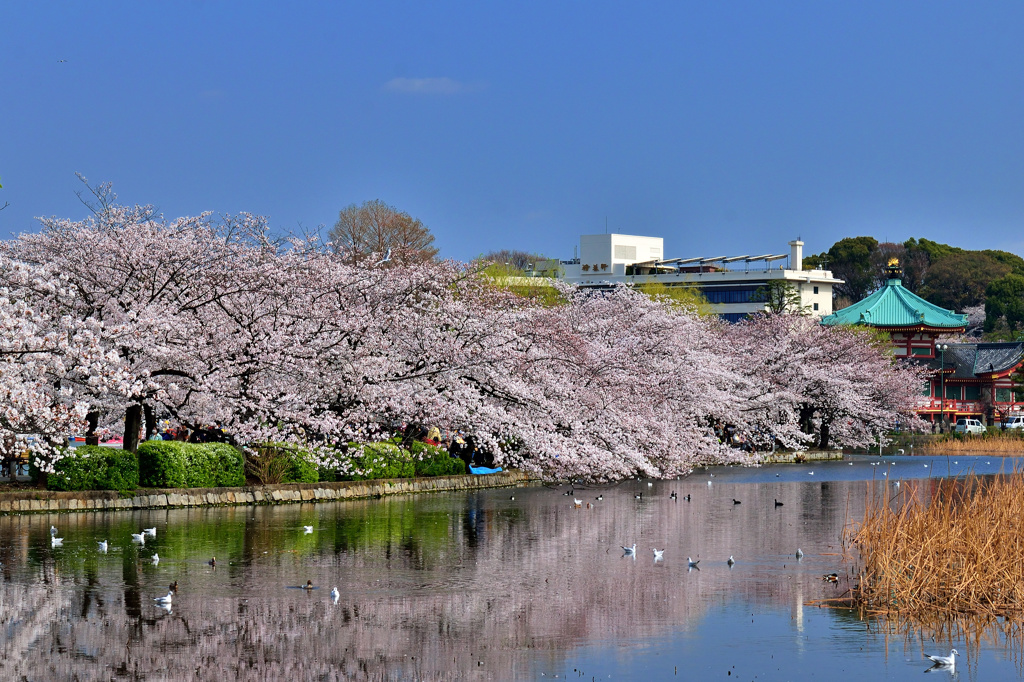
<point>823,440</point>
<point>806,415</point>
<point>150,415</point>
<point>132,424</point>
<point>93,419</point>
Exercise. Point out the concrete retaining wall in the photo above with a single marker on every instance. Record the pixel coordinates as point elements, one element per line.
<point>805,456</point>
<point>29,501</point>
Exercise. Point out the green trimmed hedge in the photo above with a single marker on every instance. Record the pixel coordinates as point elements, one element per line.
<point>91,467</point>
<point>433,460</point>
<point>173,464</point>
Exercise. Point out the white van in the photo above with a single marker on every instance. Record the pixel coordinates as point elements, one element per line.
<point>972,426</point>
<point>1015,422</point>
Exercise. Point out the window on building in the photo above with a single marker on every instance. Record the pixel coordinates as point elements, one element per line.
<point>926,389</point>
<point>737,294</point>
<point>1003,395</point>
<point>971,393</point>
<point>952,392</point>
<point>623,252</point>
<point>815,291</point>
<point>815,306</point>
<point>921,351</point>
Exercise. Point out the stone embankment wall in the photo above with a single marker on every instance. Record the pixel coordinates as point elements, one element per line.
<point>99,500</point>
<point>805,456</point>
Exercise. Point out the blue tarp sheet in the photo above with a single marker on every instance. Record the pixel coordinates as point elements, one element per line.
<point>483,470</point>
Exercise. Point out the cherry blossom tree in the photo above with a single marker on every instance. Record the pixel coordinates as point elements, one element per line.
<point>50,362</point>
<point>211,320</point>
<point>823,385</point>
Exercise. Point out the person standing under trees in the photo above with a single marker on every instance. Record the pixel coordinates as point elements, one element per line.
<point>365,233</point>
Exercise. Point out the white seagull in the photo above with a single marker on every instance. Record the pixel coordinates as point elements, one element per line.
<point>164,601</point>
<point>56,541</point>
<point>307,529</point>
<point>335,595</point>
<point>731,561</point>
<point>139,538</point>
<point>944,661</point>
<point>156,559</point>
<point>151,532</point>
<point>799,553</point>
<point>103,545</point>
<point>629,550</point>
<point>658,554</point>
<point>692,563</point>
<point>53,530</point>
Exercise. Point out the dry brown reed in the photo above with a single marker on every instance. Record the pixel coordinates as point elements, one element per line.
<point>1006,445</point>
<point>943,549</point>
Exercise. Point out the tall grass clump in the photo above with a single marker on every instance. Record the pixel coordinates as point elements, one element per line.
<point>993,442</point>
<point>944,550</point>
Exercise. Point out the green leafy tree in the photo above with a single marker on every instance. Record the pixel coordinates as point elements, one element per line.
<point>1004,300</point>
<point>1012,260</point>
<point>959,281</point>
<point>850,260</point>
<point>933,250</point>
<point>681,296</point>
<point>780,296</point>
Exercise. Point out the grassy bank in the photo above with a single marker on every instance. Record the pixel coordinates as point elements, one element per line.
<point>944,550</point>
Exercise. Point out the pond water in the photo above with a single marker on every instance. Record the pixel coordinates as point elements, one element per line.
<point>477,585</point>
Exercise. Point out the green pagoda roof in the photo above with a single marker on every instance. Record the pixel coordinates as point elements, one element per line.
<point>894,306</point>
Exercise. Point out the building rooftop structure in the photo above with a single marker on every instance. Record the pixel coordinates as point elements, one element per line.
<point>978,360</point>
<point>896,307</point>
<point>734,286</point>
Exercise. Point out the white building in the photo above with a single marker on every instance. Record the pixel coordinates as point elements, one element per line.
<point>734,286</point>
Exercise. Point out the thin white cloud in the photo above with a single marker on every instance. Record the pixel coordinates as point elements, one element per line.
<point>428,86</point>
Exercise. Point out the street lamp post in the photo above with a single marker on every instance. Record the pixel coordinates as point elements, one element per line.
<point>942,379</point>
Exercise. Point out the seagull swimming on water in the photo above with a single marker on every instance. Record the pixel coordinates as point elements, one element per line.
<point>56,541</point>
<point>799,553</point>
<point>658,554</point>
<point>164,601</point>
<point>151,532</point>
<point>335,595</point>
<point>103,545</point>
<point>139,538</point>
<point>730,561</point>
<point>944,661</point>
<point>307,529</point>
<point>629,550</point>
<point>692,564</point>
<point>156,559</point>
<point>53,530</point>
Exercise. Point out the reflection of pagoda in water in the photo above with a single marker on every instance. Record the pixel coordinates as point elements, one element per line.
<point>967,379</point>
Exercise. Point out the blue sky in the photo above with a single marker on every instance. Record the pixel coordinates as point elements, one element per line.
<point>725,127</point>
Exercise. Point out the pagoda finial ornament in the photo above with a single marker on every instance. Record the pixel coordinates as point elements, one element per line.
<point>893,269</point>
